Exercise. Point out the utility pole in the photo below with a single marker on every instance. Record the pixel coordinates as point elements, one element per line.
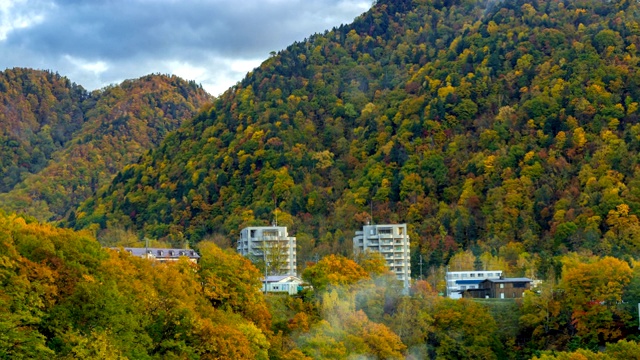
<point>146,247</point>
<point>420,266</point>
<point>446,280</point>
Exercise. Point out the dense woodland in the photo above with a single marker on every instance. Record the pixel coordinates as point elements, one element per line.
<point>40,112</point>
<point>61,143</point>
<point>505,134</point>
<point>490,127</point>
<point>62,295</point>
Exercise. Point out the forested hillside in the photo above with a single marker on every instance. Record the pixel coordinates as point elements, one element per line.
<point>63,143</point>
<point>63,296</point>
<point>39,112</point>
<point>505,134</point>
<point>486,126</point>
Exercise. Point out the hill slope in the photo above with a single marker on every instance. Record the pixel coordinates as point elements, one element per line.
<point>39,112</point>
<point>115,126</point>
<point>483,125</point>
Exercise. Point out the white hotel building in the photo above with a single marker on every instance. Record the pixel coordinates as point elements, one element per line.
<point>256,238</point>
<point>392,241</point>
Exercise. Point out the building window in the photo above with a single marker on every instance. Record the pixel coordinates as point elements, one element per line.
<point>472,275</point>
<point>501,286</point>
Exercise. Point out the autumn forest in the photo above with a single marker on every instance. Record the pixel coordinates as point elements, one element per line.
<point>505,134</point>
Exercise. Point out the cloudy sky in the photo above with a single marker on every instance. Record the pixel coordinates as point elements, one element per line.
<point>214,42</point>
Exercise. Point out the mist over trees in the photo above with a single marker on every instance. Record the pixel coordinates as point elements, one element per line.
<point>505,134</point>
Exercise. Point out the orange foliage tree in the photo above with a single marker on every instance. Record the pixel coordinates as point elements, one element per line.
<point>594,292</point>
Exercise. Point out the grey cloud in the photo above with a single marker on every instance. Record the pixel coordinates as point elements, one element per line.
<point>137,37</point>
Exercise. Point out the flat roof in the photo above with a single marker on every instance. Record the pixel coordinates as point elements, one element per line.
<point>469,282</point>
<point>506,280</point>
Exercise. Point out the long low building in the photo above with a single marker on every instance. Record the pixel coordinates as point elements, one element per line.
<point>459,281</point>
<point>502,288</point>
<point>161,254</point>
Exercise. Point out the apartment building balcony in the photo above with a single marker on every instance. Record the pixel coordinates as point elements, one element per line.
<point>270,238</point>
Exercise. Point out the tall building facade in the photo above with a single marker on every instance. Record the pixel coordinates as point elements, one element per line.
<point>271,244</point>
<point>390,240</point>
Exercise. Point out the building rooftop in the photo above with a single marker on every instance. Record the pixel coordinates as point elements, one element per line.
<point>160,252</point>
<point>276,278</point>
<point>506,280</point>
<point>469,282</point>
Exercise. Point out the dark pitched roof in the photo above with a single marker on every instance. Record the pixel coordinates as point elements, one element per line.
<point>161,252</point>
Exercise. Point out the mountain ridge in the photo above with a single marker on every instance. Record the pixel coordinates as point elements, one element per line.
<point>118,123</point>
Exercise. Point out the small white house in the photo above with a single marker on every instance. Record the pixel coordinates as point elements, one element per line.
<point>282,284</point>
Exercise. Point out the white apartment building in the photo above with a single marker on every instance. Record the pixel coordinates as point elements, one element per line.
<point>265,242</point>
<point>392,241</point>
<point>458,281</point>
